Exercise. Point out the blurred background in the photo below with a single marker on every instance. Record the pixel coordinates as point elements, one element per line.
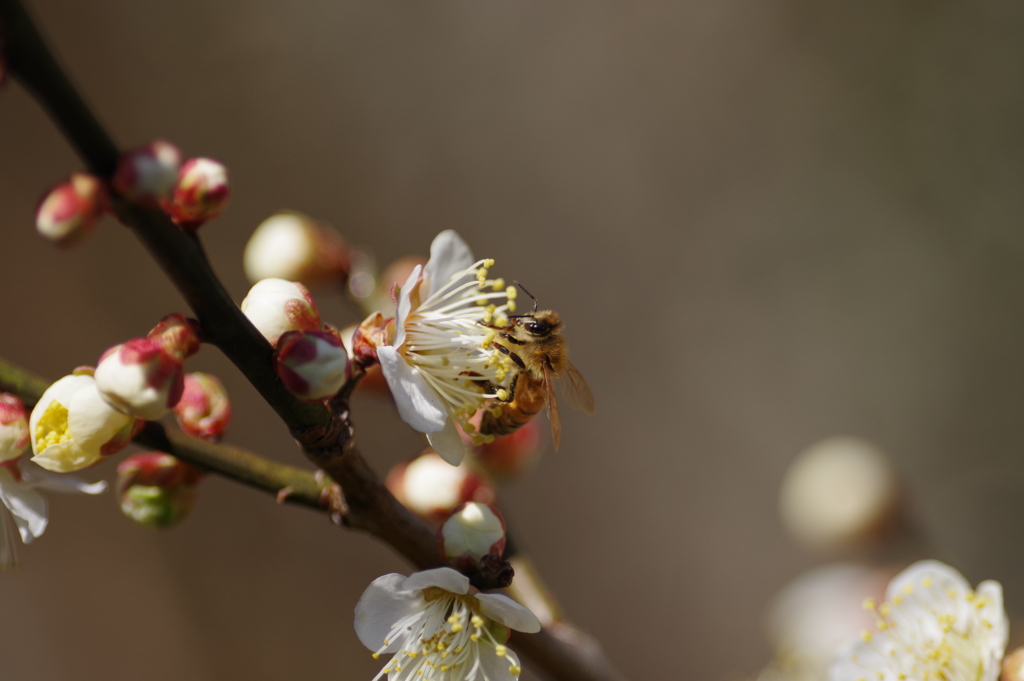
<point>764,224</point>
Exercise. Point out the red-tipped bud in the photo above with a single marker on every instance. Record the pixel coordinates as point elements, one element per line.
<point>311,364</point>
<point>514,454</point>
<point>472,532</point>
<point>200,194</point>
<point>148,173</point>
<point>368,336</point>
<point>432,488</point>
<point>69,211</point>
<point>179,335</point>
<point>275,306</point>
<point>13,428</point>
<point>204,409</point>
<point>156,489</point>
<point>140,378</point>
<point>295,247</point>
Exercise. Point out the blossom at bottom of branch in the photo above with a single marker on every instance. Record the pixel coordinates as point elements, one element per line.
<point>437,626</point>
<point>932,625</point>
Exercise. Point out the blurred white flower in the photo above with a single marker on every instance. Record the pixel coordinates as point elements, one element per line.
<point>28,507</point>
<point>931,626</point>
<point>442,365</point>
<point>437,629</point>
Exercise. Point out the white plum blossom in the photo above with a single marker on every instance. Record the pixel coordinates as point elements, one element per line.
<point>443,365</point>
<point>27,506</point>
<point>932,625</point>
<point>437,626</point>
<point>72,427</point>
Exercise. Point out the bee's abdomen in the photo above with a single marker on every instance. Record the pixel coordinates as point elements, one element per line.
<point>509,419</point>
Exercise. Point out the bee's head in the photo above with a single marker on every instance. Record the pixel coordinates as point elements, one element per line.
<point>541,324</point>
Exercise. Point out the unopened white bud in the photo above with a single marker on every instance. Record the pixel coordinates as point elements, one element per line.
<point>295,247</point>
<point>148,173</point>
<point>472,532</point>
<point>13,427</point>
<point>838,493</point>
<point>140,378</point>
<point>69,211</point>
<point>311,364</point>
<point>200,194</point>
<point>276,306</point>
<point>432,488</point>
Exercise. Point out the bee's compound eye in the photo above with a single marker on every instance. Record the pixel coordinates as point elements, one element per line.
<point>537,328</point>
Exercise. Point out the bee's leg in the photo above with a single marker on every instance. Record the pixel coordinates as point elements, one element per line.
<point>505,351</point>
<point>511,339</point>
<point>512,388</point>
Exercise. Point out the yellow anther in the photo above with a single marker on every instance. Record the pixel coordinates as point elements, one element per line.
<point>897,599</point>
<point>376,656</point>
<point>500,650</point>
<point>468,427</point>
<point>501,320</point>
<point>884,610</point>
<point>882,625</point>
<point>927,582</point>
<point>489,262</point>
<point>502,394</point>
<point>511,306</point>
<point>477,621</point>
<point>498,284</point>
<point>870,604</point>
<point>908,589</point>
<point>478,440</point>
<point>497,411</point>
<point>474,637</point>
<point>511,293</point>
<point>481,301</point>
<point>866,636</point>
<point>444,668</point>
<point>515,670</point>
<point>457,627</point>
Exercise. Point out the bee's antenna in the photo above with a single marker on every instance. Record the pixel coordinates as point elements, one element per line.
<point>527,293</point>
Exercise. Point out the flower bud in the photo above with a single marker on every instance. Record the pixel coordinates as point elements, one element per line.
<point>1013,666</point>
<point>472,532</point>
<point>432,488</point>
<point>204,409</point>
<point>72,427</point>
<point>13,428</point>
<point>147,174</point>
<point>514,454</point>
<point>200,194</point>
<point>178,334</point>
<point>368,336</point>
<point>68,213</point>
<point>140,378</point>
<point>275,306</point>
<point>156,489</point>
<point>294,247</point>
<point>311,364</point>
<point>839,494</point>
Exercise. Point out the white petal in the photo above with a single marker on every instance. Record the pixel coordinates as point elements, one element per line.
<point>38,478</point>
<point>448,443</point>
<point>405,305</point>
<point>444,578</point>
<point>91,421</point>
<point>418,404</point>
<point>449,255</point>
<point>506,611</point>
<point>8,547</point>
<point>990,593</point>
<point>27,506</point>
<point>384,603</point>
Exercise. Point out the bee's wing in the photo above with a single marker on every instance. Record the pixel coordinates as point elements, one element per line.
<point>556,423</point>
<point>575,389</point>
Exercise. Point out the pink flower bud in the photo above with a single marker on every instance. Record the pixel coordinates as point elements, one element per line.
<point>179,335</point>
<point>311,364</point>
<point>13,428</point>
<point>472,532</point>
<point>432,488</point>
<point>156,489</point>
<point>204,409</point>
<point>295,247</point>
<point>148,173</point>
<point>200,194</point>
<point>275,306</point>
<point>72,427</point>
<point>69,211</point>
<point>514,454</point>
<point>140,378</point>
<point>368,336</point>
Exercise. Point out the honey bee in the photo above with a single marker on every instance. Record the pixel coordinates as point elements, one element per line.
<point>535,345</point>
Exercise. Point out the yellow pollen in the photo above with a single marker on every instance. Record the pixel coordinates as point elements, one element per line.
<point>474,637</point>
<point>477,621</point>
<point>511,293</point>
<point>870,604</point>
<point>897,599</point>
<point>468,427</point>
<point>884,610</point>
<point>489,262</point>
<point>866,636</point>
<point>500,650</point>
<point>927,582</point>
<point>502,394</point>
<point>498,284</point>
<point>908,589</point>
<point>52,427</point>
<point>376,656</point>
<point>511,306</point>
<point>481,301</point>
<point>515,670</point>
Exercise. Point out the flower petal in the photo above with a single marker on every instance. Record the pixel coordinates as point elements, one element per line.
<point>448,443</point>
<point>443,578</point>
<point>418,404</point>
<point>405,305</point>
<point>37,478</point>
<point>503,609</point>
<point>27,506</point>
<point>449,255</point>
<point>990,609</point>
<point>383,604</point>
